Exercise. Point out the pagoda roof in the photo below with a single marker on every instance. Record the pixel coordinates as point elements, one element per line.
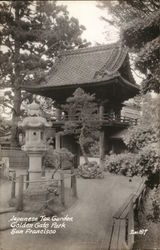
<point>86,65</point>
<point>78,67</point>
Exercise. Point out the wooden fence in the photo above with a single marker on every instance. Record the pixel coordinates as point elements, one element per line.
<point>23,183</point>
<point>122,236</point>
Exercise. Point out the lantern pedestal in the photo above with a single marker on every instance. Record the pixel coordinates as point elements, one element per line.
<point>35,165</point>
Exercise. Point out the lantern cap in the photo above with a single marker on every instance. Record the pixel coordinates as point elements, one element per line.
<point>34,109</point>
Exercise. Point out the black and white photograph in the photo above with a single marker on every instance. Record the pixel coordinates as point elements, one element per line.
<point>80,125</point>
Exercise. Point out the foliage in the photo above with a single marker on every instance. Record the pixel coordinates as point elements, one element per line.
<point>156,118</point>
<point>5,127</point>
<point>59,158</point>
<point>90,171</point>
<point>139,23</point>
<point>143,142</point>
<point>123,163</point>
<point>137,137</point>
<point>154,212</point>
<point>145,163</point>
<point>147,129</point>
<point>81,110</point>
<point>93,150</point>
<point>32,34</point>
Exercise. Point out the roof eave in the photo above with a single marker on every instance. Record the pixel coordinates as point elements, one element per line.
<point>94,82</point>
<point>136,86</point>
<point>67,85</point>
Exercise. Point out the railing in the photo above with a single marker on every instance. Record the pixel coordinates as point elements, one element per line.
<point>24,179</point>
<point>122,233</point>
<point>111,118</point>
<point>105,119</point>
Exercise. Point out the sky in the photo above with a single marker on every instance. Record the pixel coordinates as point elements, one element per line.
<point>89,15</point>
<point>97,30</point>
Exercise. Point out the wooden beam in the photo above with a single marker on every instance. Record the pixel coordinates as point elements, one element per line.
<point>58,114</point>
<point>58,141</point>
<point>101,147</point>
<point>20,194</point>
<point>101,112</point>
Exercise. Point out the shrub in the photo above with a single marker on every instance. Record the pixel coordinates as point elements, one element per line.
<point>148,164</point>
<point>90,171</point>
<point>138,137</point>
<point>154,212</point>
<point>121,164</point>
<point>145,163</point>
<point>61,158</point>
<point>148,160</point>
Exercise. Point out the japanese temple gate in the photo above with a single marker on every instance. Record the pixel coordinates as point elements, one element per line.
<point>103,70</point>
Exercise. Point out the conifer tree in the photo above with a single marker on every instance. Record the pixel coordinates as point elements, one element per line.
<point>81,111</point>
<point>31,35</point>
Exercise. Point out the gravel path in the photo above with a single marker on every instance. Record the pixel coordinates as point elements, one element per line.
<point>92,213</point>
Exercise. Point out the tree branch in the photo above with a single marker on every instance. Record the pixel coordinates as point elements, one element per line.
<point>137,74</point>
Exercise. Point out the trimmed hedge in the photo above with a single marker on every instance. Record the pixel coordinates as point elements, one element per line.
<point>121,164</point>
<point>145,163</point>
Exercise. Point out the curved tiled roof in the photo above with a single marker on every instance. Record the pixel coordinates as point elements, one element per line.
<point>87,65</point>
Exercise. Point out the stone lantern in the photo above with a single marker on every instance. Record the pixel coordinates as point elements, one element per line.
<point>35,145</point>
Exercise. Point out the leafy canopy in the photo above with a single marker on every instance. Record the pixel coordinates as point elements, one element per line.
<point>139,25</point>
<point>31,35</point>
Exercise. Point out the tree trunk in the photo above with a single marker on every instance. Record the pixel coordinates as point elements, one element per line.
<point>15,117</point>
<point>81,145</point>
<point>84,154</point>
<point>17,90</point>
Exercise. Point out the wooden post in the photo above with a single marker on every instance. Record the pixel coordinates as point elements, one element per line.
<point>74,185</point>
<point>43,171</point>
<point>58,141</point>
<point>115,233</point>
<point>73,181</point>
<point>101,138</point>
<point>122,233</point>
<point>101,147</point>
<point>58,114</point>
<point>72,171</point>
<point>101,112</point>
<point>20,194</point>
<point>27,179</point>
<point>62,188</point>
<point>13,185</point>
<point>131,226</point>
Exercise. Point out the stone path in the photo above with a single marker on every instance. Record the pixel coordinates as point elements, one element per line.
<point>92,213</point>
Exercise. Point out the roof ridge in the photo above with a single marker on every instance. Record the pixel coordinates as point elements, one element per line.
<point>120,57</point>
<point>90,49</point>
<point>112,66</point>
